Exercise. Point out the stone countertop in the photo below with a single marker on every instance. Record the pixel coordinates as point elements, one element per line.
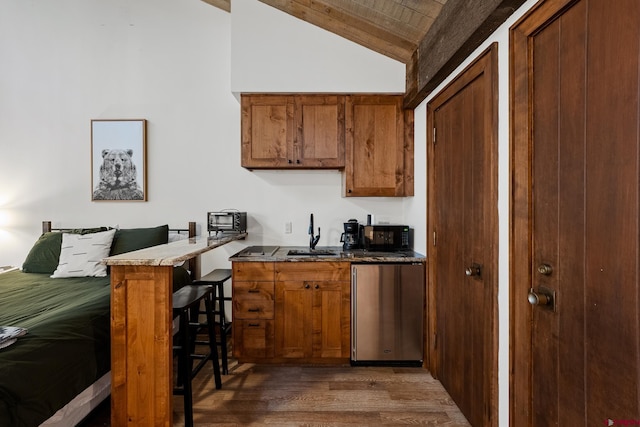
<point>281,254</point>
<point>172,253</point>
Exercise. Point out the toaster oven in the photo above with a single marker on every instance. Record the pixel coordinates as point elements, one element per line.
<point>227,222</point>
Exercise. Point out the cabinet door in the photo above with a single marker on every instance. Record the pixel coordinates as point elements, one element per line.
<point>267,130</point>
<point>331,319</point>
<point>319,141</point>
<point>293,319</point>
<point>379,146</point>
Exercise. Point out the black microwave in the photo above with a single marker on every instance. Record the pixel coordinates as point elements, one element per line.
<point>229,222</point>
<point>384,237</point>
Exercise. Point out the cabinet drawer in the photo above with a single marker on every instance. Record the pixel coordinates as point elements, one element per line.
<point>256,271</point>
<point>253,338</point>
<point>252,309</point>
<point>313,271</point>
<point>253,300</point>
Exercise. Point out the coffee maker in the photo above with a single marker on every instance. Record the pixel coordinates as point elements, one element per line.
<point>351,235</point>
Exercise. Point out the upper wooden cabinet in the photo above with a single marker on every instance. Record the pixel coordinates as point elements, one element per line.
<point>293,131</point>
<point>369,136</point>
<point>379,146</point>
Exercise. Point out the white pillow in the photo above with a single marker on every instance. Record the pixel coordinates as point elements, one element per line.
<point>80,254</point>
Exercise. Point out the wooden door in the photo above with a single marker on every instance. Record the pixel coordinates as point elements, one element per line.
<point>462,222</point>
<point>267,130</point>
<point>379,150</point>
<point>319,141</point>
<point>576,231</point>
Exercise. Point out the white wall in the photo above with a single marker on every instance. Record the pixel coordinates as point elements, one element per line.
<point>176,64</point>
<point>170,62</point>
<point>272,51</point>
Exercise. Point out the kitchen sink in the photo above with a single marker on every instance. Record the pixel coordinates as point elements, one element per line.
<point>312,252</point>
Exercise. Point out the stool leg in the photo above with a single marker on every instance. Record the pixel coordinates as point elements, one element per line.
<point>223,328</point>
<point>213,348</point>
<point>186,369</point>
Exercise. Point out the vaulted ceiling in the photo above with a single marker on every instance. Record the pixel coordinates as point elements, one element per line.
<point>431,36</point>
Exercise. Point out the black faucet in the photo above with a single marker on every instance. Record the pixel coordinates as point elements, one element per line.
<point>313,240</point>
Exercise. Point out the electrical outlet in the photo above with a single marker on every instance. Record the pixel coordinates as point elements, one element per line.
<point>287,227</point>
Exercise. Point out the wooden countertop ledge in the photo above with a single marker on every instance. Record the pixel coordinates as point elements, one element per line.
<point>172,253</point>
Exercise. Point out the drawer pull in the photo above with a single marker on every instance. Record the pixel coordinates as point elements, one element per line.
<point>253,310</point>
<point>254,325</point>
<point>254,291</point>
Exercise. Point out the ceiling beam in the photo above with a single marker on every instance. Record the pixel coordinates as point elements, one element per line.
<point>459,29</point>
<point>220,4</point>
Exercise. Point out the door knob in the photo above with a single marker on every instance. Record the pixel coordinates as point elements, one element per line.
<point>544,298</point>
<point>472,270</point>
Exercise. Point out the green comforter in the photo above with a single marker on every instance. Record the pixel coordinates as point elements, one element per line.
<point>66,349</point>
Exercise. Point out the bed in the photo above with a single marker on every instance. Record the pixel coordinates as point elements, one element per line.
<point>59,371</point>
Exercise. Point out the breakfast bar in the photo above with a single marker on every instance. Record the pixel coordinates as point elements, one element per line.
<point>141,328</point>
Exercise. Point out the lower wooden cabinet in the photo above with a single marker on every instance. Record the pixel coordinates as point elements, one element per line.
<point>253,309</point>
<point>310,321</point>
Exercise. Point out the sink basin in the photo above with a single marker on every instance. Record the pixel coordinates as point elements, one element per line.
<point>311,252</point>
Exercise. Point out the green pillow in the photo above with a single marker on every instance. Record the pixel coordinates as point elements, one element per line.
<point>132,239</point>
<point>44,256</point>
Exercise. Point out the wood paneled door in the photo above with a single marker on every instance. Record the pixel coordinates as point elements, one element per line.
<point>462,227</point>
<point>575,242</point>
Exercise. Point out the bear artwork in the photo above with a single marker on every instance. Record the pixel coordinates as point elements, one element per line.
<point>118,179</point>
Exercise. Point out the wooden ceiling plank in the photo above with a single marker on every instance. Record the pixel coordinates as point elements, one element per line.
<point>390,46</point>
<point>459,29</point>
<point>392,15</point>
<point>350,27</point>
<point>366,19</point>
<point>220,4</point>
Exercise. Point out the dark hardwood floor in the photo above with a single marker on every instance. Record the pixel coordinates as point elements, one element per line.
<point>277,395</point>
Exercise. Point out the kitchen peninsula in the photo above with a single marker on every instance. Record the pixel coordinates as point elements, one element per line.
<point>141,328</point>
<point>293,304</point>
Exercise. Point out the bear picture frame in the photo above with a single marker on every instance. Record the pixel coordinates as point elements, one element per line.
<point>118,160</point>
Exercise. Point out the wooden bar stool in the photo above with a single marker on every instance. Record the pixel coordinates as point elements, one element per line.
<point>186,303</point>
<point>215,280</point>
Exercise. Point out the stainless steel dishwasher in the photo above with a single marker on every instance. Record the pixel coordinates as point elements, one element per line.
<point>387,314</point>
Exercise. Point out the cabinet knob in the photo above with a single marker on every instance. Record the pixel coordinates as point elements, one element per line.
<point>289,161</point>
<point>317,286</point>
<point>298,161</point>
<point>306,286</point>
<point>349,191</point>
